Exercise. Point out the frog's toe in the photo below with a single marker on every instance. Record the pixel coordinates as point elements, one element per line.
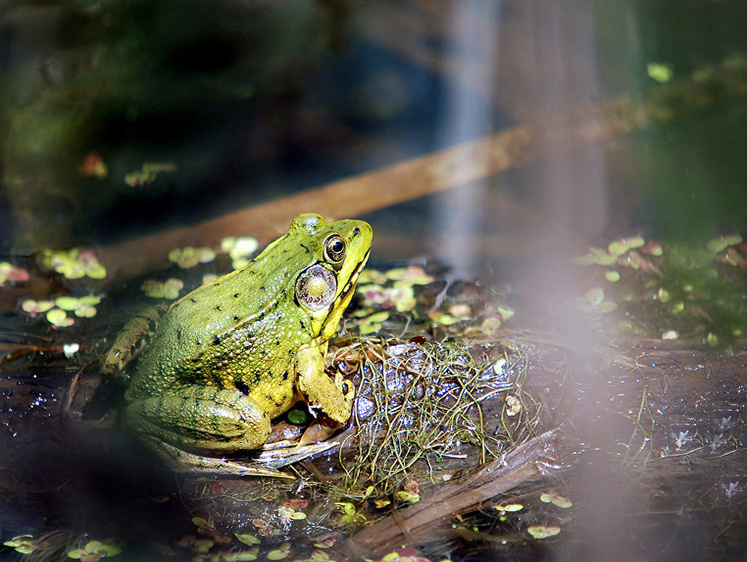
<point>344,386</point>
<point>348,390</point>
<point>222,467</point>
<point>278,458</point>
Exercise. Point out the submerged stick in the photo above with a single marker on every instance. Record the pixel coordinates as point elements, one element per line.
<point>441,170</point>
<point>349,197</point>
<point>419,522</point>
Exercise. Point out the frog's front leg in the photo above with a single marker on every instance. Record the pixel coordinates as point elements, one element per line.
<point>200,419</point>
<point>334,397</point>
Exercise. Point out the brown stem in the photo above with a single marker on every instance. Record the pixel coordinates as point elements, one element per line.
<point>419,522</point>
<point>441,170</point>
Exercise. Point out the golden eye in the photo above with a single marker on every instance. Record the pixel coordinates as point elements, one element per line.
<point>334,249</point>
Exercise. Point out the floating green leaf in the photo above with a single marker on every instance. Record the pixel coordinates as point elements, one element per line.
<point>660,72</point>
<point>612,276</point>
<point>23,544</point>
<point>542,531</point>
<point>556,499</point>
<point>9,272</point>
<point>168,289</point>
<point>189,257</point>
<point>280,553</point>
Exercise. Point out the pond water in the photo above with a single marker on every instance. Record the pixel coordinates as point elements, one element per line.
<point>490,144</point>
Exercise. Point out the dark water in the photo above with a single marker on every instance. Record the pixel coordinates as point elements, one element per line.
<point>242,103</point>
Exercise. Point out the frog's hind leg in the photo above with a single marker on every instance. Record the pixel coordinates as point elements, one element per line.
<point>182,461</point>
<point>200,419</point>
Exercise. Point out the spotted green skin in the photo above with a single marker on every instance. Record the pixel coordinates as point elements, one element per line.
<point>231,355</point>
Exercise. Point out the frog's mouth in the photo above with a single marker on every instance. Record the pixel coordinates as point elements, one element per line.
<point>353,280</point>
<point>342,301</point>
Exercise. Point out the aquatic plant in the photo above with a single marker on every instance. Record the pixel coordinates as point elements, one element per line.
<point>57,310</point>
<point>74,263</point>
<point>421,407</point>
<point>168,289</point>
<point>23,544</point>
<point>9,272</point>
<point>670,291</point>
<point>239,249</point>
<point>417,300</point>
<point>543,531</point>
<point>95,550</point>
<point>552,496</point>
<point>189,257</point>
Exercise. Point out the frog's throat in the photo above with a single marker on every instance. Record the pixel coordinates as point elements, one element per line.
<point>338,306</point>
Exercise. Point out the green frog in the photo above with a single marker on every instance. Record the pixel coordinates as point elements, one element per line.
<point>232,355</point>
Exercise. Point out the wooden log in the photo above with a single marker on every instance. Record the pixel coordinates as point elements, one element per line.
<point>421,522</point>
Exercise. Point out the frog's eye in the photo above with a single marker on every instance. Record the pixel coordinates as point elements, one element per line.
<point>334,249</point>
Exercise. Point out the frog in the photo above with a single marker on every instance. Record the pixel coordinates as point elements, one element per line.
<point>233,355</point>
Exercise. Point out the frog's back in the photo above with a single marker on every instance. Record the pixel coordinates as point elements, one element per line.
<point>237,324</point>
<point>245,329</point>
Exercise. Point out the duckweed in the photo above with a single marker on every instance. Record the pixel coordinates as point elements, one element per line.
<point>410,493</point>
<point>95,550</point>
<point>56,311</point>
<point>291,510</point>
<point>556,499</point>
<point>23,544</point>
<point>168,289</point>
<point>660,72</point>
<point>721,243</point>
<point>328,542</point>
<point>280,553</point>
<point>373,323</point>
<point>404,555</point>
<point>671,292</point>
<point>239,249</point>
<point>250,540</point>
<point>513,405</point>
<point>189,257</point>
<point>243,555</point>
<point>542,531</point>
<point>594,303</point>
<point>415,298</point>
<point>508,508</point>
<point>74,263</point>
<point>58,317</point>
<point>9,272</point>
<point>400,295</point>
<point>83,307</point>
<point>32,307</point>
<point>350,515</point>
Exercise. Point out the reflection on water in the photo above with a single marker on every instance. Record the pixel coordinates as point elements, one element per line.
<point>464,117</point>
<point>118,119</point>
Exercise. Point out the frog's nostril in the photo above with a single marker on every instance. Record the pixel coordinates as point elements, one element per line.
<point>356,231</point>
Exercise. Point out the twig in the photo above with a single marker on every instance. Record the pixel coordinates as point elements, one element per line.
<point>349,197</point>
<point>442,170</point>
<point>419,522</point>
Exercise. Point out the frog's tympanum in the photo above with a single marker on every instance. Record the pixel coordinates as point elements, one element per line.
<point>232,355</point>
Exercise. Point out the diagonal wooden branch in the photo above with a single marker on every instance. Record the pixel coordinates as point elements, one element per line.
<point>419,522</point>
<point>349,197</point>
<point>439,171</point>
